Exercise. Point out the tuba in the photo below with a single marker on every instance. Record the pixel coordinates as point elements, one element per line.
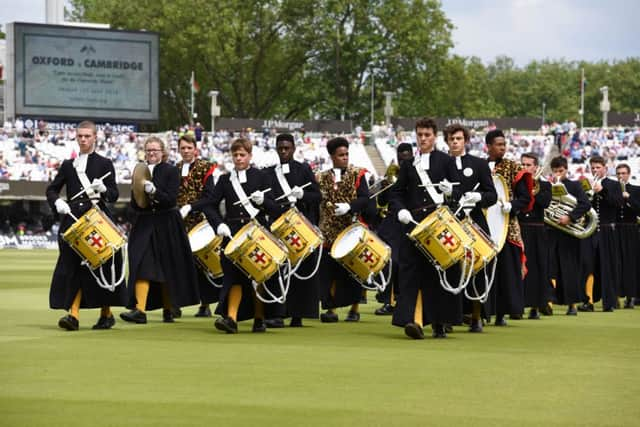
<point>562,203</point>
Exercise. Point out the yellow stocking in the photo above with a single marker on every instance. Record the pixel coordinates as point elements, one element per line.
<point>588,288</point>
<point>392,298</point>
<point>105,311</point>
<point>417,316</point>
<point>74,310</point>
<point>235,296</point>
<point>355,307</point>
<point>142,291</point>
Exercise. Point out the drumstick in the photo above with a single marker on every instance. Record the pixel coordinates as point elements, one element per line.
<point>462,204</point>
<point>435,185</point>
<point>249,198</point>
<point>85,190</point>
<point>289,193</point>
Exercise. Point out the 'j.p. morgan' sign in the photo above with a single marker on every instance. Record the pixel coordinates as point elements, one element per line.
<point>71,72</point>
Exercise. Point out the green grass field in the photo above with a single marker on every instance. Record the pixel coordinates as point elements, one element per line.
<point>560,370</point>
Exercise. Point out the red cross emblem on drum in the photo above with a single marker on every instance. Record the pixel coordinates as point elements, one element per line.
<point>259,257</point>
<point>368,257</point>
<point>95,239</point>
<point>447,239</point>
<point>295,240</point>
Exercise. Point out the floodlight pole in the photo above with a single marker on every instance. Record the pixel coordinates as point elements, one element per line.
<point>215,110</point>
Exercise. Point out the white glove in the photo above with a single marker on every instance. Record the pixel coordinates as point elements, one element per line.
<point>62,207</point>
<point>257,197</point>
<point>404,216</point>
<point>471,198</point>
<point>184,211</point>
<point>149,188</point>
<point>445,187</point>
<point>297,192</point>
<point>342,209</point>
<point>98,185</point>
<point>223,230</point>
<point>506,207</point>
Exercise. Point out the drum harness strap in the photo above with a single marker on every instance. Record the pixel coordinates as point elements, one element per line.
<point>242,196</point>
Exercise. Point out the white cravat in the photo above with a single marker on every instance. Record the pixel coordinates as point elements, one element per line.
<point>425,160</point>
<point>185,168</point>
<point>458,162</point>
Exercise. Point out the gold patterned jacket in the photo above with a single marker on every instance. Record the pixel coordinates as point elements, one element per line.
<point>345,191</point>
<point>191,187</point>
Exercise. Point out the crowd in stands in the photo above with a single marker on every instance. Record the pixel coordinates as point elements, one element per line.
<point>35,153</point>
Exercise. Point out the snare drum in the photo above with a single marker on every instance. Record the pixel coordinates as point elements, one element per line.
<point>206,247</point>
<point>484,249</point>
<point>360,251</point>
<point>298,234</point>
<point>94,237</point>
<point>441,238</point>
<point>256,252</point>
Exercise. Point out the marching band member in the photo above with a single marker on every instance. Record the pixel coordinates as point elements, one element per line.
<point>419,190</point>
<point>478,191</point>
<point>287,180</point>
<point>627,229</point>
<point>565,249</point>
<point>194,173</point>
<point>508,287</point>
<point>248,187</point>
<point>72,286</point>
<point>390,230</point>
<point>537,287</point>
<point>601,250</point>
<point>345,193</point>
<point>161,268</point>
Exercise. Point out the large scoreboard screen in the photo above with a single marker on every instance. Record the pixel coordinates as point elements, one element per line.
<point>81,73</point>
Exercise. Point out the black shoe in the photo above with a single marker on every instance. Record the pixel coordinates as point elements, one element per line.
<point>476,326</point>
<point>352,316</point>
<point>203,311</point>
<point>328,317</point>
<point>533,314</point>
<point>585,306</point>
<point>546,310</point>
<point>259,325</point>
<point>276,322</point>
<point>438,331</point>
<point>413,330</point>
<point>628,303</point>
<point>226,324</point>
<point>176,312</point>
<point>380,297</point>
<point>515,316</point>
<point>104,322</point>
<point>296,322</point>
<point>571,311</point>
<point>168,315</point>
<point>69,323</point>
<point>607,309</point>
<point>500,321</point>
<point>134,316</point>
<point>385,310</point>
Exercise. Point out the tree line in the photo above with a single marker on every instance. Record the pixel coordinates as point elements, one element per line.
<point>302,59</point>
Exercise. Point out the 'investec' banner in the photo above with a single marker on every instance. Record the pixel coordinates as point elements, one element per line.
<point>28,242</point>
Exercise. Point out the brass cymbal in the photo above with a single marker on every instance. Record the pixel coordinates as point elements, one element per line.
<point>141,173</point>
